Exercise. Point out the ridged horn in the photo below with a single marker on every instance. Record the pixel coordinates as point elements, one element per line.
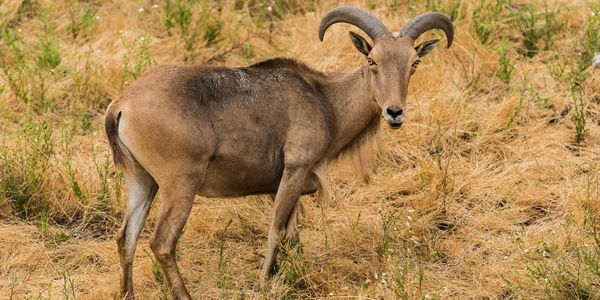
<point>367,22</point>
<point>427,21</point>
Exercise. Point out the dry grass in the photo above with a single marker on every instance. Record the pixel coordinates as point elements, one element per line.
<point>491,191</point>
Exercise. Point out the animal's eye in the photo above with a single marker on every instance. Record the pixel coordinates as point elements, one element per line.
<point>371,62</point>
<point>415,64</point>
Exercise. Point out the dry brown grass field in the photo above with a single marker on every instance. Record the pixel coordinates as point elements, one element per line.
<point>491,190</point>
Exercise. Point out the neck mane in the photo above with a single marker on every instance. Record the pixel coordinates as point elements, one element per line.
<point>357,119</point>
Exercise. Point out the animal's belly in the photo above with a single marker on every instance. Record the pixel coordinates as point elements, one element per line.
<point>234,176</point>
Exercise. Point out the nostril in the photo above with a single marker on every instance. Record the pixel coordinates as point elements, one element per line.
<point>394,111</point>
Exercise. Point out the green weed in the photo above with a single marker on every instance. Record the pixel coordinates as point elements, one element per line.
<point>292,268</point>
<point>14,67</point>
<point>68,288</point>
<point>136,60</point>
<point>158,275</point>
<point>223,279</point>
<point>212,25</point>
<point>541,101</point>
<point>590,43</point>
<point>67,142</point>
<point>579,106</point>
<point>388,223</point>
<point>486,18</point>
<point>212,32</point>
<point>30,79</point>
<point>248,52</point>
<point>43,224</point>
<point>178,14</point>
<point>526,23</point>
<point>402,278</point>
<point>507,66</point>
<point>589,253</point>
<point>81,18</point>
<point>371,5</point>
<point>453,8</point>
<point>534,26</point>
<point>12,44</point>
<point>87,85</point>
<point>578,76</point>
<point>394,5</point>
<point>516,111</point>
<point>551,27</point>
<point>102,215</point>
<point>23,167</point>
<point>61,237</point>
<point>49,56</point>
<point>558,66</point>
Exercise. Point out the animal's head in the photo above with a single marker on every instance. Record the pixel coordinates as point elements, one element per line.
<point>393,57</point>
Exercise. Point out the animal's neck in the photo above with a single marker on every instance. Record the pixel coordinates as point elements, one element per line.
<point>355,110</point>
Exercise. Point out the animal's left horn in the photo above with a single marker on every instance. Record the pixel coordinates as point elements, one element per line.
<point>427,21</point>
<point>367,22</point>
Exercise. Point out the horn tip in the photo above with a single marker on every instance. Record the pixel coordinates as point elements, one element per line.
<point>450,39</point>
<point>321,36</point>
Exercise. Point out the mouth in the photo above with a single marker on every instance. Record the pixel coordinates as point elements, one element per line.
<point>396,125</point>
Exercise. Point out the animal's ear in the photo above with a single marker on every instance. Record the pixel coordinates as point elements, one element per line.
<point>426,47</point>
<point>360,43</point>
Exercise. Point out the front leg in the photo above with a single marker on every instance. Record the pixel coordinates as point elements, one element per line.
<point>287,196</point>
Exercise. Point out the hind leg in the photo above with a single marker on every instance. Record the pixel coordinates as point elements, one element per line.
<point>176,203</point>
<point>142,189</point>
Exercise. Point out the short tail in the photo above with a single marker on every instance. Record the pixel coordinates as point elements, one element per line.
<point>121,155</point>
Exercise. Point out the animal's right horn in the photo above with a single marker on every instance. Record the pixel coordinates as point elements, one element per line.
<point>427,21</point>
<point>367,22</point>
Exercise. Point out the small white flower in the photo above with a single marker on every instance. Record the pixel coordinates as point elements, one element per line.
<point>142,39</point>
<point>19,30</point>
<point>593,13</point>
<point>155,6</point>
<point>141,10</point>
<point>269,8</point>
<point>97,17</point>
